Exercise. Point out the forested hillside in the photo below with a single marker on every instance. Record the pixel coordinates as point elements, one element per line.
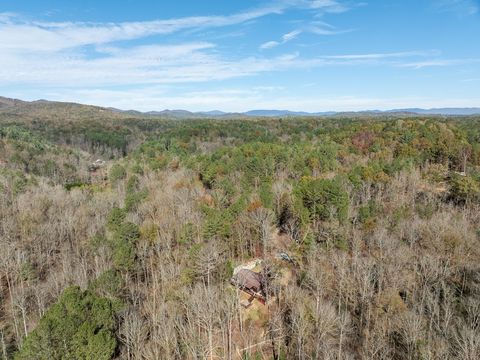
<point>130,257</point>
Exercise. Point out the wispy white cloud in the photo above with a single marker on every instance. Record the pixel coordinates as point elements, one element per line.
<point>291,35</point>
<point>60,36</point>
<point>191,62</point>
<point>6,17</point>
<point>329,6</point>
<point>285,38</point>
<point>438,63</point>
<point>459,7</point>
<point>322,31</point>
<point>314,27</point>
<point>18,33</point>
<point>56,53</point>
<point>269,45</point>
<point>322,28</point>
<point>376,56</point>
<point>169,64</point>
<point>87,55</point>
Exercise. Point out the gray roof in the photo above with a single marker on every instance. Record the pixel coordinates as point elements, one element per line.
<point>249,280</point>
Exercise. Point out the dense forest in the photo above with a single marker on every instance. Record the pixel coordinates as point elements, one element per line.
<point>130,257</point>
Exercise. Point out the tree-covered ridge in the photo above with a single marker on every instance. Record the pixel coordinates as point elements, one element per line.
<point>380,215</point>
<point>30,154</point>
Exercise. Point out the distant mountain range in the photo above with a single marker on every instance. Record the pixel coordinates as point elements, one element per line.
<point>441,111</point>
<point>288,113</point>
<point>184,114</point>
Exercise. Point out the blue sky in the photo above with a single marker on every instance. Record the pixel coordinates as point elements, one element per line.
<point>237,55</point>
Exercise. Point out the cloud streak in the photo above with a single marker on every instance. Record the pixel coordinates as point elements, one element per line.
<point>315,27</point>
<point>89,54</point>
<point>38,36</point>
<point>285,38</point>
<point>172,64</point>
<point>438,63</point>
<point>17,33</point>
<point>459,7</point>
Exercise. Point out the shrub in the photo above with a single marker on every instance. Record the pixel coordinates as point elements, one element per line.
<point>123,244</point>
<point>97,241</point>
<point>74,184</point>
<point>132,184</point>
<point>368,211</point>
<point>128,232</point>
<point>132,200</point>
<point>186,234</point>
<point>115,218</point>
<point>117,172</point>
<point>28,272</point>
<point>266,194</point>
<point>109,284</point>
<point>464,188</point>
<point>124,256</point>
<point>137,169</point>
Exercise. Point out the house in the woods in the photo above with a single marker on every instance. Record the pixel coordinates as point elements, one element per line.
<point>250,282</point>
<point>93,167</point>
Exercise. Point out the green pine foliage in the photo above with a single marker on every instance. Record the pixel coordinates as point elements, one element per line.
<point>464,189</point>
<point>323,199</point>
<point>79,326</point>
<point>109,284</point>
<point>123,244</point>
<point>117,172</point>
<point>115,218</point>
<point>133,199</point>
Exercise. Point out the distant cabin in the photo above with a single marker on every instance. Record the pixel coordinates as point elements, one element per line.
<point>250,282</point>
